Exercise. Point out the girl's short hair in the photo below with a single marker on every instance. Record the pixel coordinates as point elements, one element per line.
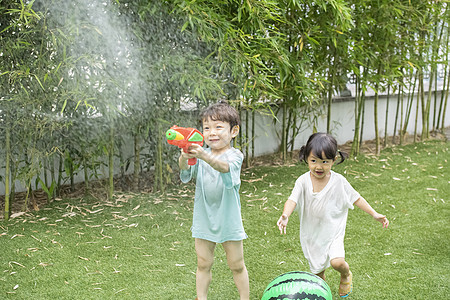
<point>221,111</point>
<point>322,143</point>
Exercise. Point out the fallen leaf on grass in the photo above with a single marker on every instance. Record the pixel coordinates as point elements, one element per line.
<point>40,241</point>
<point>95,211</point>
<point>69,214</point>
<point>180,265</point>
<point>259,199</point>
<point>17,235</point>
<point>83,258</point>
<point>16,263</point>
<point>105,236</point>
<point>55,242</point>
<point>119,217</point>
<point>255,180</point>
<point>95,273</point>
<point>18,214</point>
<point>42,264</point>
<point>93,226</point>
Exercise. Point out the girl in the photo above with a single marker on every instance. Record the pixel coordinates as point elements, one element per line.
<point>322,199</point>
<point>217,208</point>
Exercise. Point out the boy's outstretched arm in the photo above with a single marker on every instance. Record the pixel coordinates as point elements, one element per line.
<point>217,164</point>
<point>183,160</point>
<point>365,206</point>
<point>289,207</point>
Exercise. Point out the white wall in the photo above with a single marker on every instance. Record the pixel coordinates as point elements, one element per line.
<point>342,123</point>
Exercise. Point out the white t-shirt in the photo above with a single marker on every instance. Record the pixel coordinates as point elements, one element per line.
<point>323,217</point>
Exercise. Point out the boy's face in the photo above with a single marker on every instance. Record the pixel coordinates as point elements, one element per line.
<point>218,135</point>
<point>320,168</point>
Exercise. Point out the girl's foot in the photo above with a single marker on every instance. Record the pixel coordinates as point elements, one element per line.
<point>346,286</point>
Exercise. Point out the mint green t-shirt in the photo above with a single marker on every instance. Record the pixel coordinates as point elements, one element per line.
<point>217,207</point>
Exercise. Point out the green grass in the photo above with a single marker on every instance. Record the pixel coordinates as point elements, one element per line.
<point>140,246</point>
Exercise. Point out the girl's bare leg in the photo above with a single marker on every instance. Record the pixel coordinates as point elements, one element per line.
<point>321,274</point>
<point>235,258</point>
<point>205,259</point>
<point>340,265</point>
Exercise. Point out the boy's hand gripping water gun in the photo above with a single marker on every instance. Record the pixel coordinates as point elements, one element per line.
<point>183,138</point>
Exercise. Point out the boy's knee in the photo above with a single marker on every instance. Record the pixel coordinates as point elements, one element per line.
<point>204,264</point>
<point>237,266</point>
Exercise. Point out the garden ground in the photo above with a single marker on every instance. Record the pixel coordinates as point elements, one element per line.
<point>139,245</point>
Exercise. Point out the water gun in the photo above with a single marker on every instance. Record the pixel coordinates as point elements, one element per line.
<point>183,138</point>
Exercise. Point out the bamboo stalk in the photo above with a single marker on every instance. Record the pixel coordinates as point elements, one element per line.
<point>137,159</point>
<point>7,172</point>
<point>387,116</point>
<point>111,163</point>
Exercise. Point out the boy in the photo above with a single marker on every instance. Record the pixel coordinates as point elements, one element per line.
<point>217,210</point>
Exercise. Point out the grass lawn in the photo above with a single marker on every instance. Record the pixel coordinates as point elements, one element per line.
<point>140,246</point>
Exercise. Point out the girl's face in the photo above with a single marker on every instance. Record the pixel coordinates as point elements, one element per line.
<point>320,168</point>
<point>218,135</point>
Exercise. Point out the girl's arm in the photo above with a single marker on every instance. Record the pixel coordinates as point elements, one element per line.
<point>289,207</point>
<point>365,206</point>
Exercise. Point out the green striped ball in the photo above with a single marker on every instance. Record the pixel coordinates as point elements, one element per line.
<point>297,285</point>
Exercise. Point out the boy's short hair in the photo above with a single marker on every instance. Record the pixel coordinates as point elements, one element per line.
<point>221,111</point>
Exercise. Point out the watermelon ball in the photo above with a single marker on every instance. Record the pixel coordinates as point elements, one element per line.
<point>297,285</point>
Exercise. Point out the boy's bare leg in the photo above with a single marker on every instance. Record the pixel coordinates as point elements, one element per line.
<point>235,258</point>
<point>205,259</point>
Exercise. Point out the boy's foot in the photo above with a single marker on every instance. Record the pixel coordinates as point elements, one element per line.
<point>346,287</point>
